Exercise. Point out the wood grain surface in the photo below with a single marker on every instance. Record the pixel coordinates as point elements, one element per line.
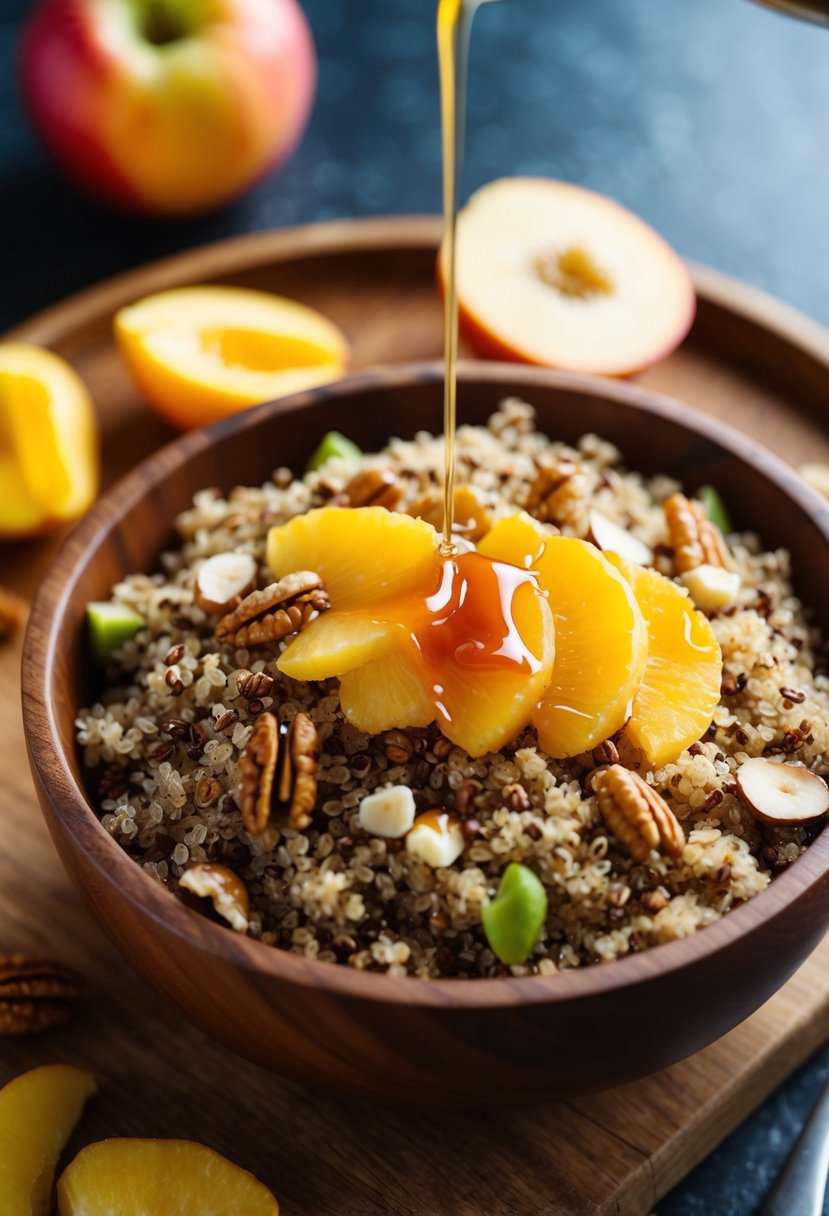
<point>748,360</point>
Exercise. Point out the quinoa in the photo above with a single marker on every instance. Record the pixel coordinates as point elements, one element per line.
<point>172,719</point>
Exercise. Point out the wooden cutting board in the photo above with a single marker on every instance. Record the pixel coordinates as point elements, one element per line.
<point>750,360</point>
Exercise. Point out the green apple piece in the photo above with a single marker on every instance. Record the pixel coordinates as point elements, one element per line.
<point>333,444</point>
<point>715,509</point>
<point>110,625</point>
<point>514,919</point>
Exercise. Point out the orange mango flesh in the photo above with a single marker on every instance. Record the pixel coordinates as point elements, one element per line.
<point>38,1111</point>
<point>199,354</point>
<point>680,687</point>
<point>159,1178</point>
<point>601,635</point>
<point>49,463</point>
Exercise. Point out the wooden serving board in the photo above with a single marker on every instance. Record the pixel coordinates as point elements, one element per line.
<point>749,360</point>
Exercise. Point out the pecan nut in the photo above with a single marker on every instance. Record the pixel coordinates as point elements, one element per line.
<point>636,814</point>
<point>298,782</point>
<point>224,889</point>
<point>35,994</point>
<point>257,769</point>
<point>275,612</point>
<point>278,768</point>
<point>695,540</point>
<point>558,494</point>
<point>12,612</point>
<point>373,488</point>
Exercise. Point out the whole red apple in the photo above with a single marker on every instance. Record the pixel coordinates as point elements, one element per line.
<point>168,106</point>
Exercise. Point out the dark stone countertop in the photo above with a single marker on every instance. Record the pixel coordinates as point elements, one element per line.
<point>708,117</point>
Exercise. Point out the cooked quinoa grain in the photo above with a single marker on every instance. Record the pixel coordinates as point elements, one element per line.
<point>162,746</point>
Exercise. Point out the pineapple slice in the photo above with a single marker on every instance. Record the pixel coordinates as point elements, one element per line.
<point>362,554</point>
<point>601,635</point>
<point>681,685</point>
<point>475,654</point>
<point>159,1178</point>
<point>336,643</point>
<point>38,1111</point>
<point>389,692</point>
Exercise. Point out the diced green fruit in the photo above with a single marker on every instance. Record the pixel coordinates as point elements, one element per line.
<point>110,625</point>
<point>513,921</point>
<point>715,509</point>
<point>333,444</point>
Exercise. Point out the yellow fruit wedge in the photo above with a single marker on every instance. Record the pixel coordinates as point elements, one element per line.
<point>38,1111</point>
<point>389,692</point>
<point>362,554</point>
<point>681,685</point>
<point>49,462</point>
<point>159,1178</point>
<point>334,644</point>
<point>601,635</point>
<point>199,354</point>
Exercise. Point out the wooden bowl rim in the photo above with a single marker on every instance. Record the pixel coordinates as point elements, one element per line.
<point>149,899</point>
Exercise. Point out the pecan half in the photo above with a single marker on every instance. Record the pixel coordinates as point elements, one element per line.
<point>695,540</point>
<point>35,994</point>
<point>278,768</point>
<point>257,768</point>
<point>373,488</point>
<point>636,814</point>
<point>224,889</point>
<point>298,782</point>
<point>12,612</point>
<point>557,493</point>
<point>275,612</point>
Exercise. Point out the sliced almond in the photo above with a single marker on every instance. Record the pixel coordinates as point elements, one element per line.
<point>711,587</point>
<point>786,794</point>
<point>223,580</point>
<point>610,537</point>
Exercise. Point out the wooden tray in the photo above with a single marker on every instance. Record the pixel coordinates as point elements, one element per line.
<point>749,359</point>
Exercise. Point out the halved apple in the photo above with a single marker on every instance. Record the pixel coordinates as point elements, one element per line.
<point>554,274</point>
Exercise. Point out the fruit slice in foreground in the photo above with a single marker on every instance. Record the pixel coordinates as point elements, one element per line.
<point>551,273</point>
<point>334,644</point>
<point>38,1111</point>
<point>681,685</point>
<point>388,693</point>
<point>199,354</point>
<point>601,637</point>
<point>49,462</point>
<point>362,554</point>
<point>159,1178</point>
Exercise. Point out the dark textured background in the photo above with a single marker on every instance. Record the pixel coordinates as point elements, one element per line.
<point>708,117</point>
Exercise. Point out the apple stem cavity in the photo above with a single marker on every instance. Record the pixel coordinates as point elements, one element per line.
<point>161,22</point>
<point>573,273</point>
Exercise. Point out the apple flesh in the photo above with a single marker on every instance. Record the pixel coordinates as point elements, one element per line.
<point>168,106</point>
<point>554,274</point>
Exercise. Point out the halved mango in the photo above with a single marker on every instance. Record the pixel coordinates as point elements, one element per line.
<point>335,643</point>
<point>49,462</point>
<point>38,1111</point>
<point>389,692</point>
<point>199,354</point>
<point>681,684</point>
<point>159,1178</point>
<point>601,635</point>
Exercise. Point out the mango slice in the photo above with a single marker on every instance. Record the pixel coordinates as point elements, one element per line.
<point>159,1178</point>
<point>38,1111</point>
<point>199,354</point>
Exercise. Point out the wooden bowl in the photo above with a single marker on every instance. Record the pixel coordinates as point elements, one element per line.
<point>445,1042</point>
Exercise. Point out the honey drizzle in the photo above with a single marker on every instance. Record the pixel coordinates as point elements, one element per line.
<point>454,25</point>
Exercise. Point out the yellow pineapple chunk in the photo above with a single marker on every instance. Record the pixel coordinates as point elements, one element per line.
<point>681,685</point>
<point>38,1111</point>
<point>334,644</point>
<point>159,1178</point>
<point>601,635</point>
<point>389,692</point>
<point>362,554</point>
